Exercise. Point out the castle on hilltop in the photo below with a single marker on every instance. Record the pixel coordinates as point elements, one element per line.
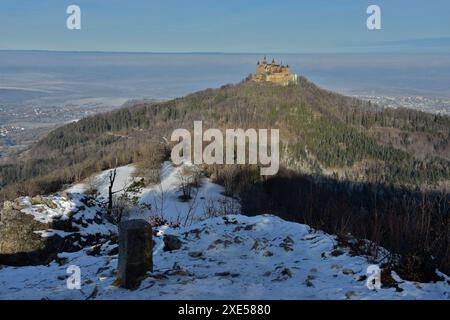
<point>274,73</point>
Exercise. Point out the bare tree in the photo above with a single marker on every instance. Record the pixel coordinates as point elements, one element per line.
<point>158,205</point>
<point>189,214</point>
<point>112,179</point>
<point>220,207</point>
<point>185,186</point>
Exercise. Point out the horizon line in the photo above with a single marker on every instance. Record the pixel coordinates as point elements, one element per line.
<point>157,52</point>
<point>208,52</point>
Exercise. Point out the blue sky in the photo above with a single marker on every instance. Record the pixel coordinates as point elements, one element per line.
<point>260,26</point>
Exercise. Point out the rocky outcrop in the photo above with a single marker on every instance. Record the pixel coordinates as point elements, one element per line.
<point>12,205</point>
<point>19,242</point>
<point>44,201</point>
<point>30,236</point>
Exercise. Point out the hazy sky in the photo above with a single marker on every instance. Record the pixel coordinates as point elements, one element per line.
<point>262,26</point>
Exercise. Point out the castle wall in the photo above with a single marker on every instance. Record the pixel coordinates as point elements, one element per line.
<point>273,73</point>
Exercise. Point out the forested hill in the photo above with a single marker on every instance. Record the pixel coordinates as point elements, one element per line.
<point>322,133</point>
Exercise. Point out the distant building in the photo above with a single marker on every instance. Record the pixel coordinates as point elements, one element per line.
<point>274,73</point>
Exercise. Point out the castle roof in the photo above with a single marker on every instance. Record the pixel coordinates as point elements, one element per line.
<point>272,64</point>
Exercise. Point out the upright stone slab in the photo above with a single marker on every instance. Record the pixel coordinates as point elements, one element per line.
<point>135,252</point>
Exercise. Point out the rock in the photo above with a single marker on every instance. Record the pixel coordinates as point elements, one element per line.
<point>135,252</point>
<point>249,227</point>
<point>66,195</point>
<point>94,250</point>
<point>287,244</point>
<point>309,281</point>
<point>171,243</point>
<point>348,271</point>
<point>12,205</point>
<point>255,245</point>
<point>114,251</point>
<point>362,278</point>
<point>337,253</point>
<point>227,221</point>
<point>44,201</point>
<point>350,294</point>
<point>214,245</point>
<point>20,244</point>
<point>8,205</point>
<point>61,261</point>
<point>178,271</point>
<point>226,274</point>
<point>285,274</point>
<point>289,240</point>
<point>195,254</point>
<point>26,241</point>
<point>267,253</point>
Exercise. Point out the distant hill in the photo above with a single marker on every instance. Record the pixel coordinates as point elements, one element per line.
<point>322,133</point>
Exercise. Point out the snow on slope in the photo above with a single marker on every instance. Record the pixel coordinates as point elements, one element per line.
<point>232,257</point>
<point>123,178</point>
<point>162,197</point>
<point>67,208</point>
<point>45,214</point>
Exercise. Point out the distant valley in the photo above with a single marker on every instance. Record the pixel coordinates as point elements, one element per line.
<point>22,125</point>
<point>421,103</point>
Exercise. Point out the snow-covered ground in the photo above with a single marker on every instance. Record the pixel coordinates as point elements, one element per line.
<point>101,181</point>
<point>67,208</point>
<point>233,257</point>
<point>227,257</point>
<point>164,196</point>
